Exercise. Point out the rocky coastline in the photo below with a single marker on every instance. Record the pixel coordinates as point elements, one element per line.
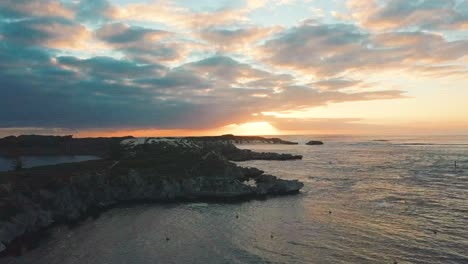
<point>162,170</point>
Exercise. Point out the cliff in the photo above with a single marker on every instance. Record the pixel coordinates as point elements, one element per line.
<point>159,171</point>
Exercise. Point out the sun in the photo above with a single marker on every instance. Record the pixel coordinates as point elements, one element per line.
<point>251,128</point>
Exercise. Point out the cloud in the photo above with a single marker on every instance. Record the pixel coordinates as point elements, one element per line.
<point>322,49</point>
<point>26,8</point>
<point>337,83</point>
<point>327,50</point>
<point>120,33</point>
<point>168,13</point>
<point>165,66</point>
<point>49,32</point>
<point>107,68</point>
<point>402,14</point>
<point>171,14</point>
<point>95,10</point>
<point>142,44</point>
<point>222,69</point>
<point>54,97</point>
<point>238,38</point>
<point>103,92</point>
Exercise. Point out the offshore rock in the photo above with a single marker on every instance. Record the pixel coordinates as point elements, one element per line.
<point>314,142</point>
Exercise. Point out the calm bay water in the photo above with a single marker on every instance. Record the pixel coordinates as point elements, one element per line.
<point>364,201</point>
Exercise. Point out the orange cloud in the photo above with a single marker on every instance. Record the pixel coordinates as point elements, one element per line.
<point>45,8</point>
<point>168,13</point>
<point>236,39</point>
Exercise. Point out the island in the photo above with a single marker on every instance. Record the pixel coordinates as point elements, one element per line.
<point>131,171</point>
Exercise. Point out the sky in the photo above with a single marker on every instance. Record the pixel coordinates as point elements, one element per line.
<point>268,67</point>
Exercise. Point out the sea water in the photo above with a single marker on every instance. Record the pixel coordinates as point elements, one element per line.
<point>365,200</point>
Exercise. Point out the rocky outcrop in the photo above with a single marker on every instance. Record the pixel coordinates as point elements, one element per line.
<point>229,138</point>
<point>33,199</point>
<point>314,142</point>
<point>225,148</point>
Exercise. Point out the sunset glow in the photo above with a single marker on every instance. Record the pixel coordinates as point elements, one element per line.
<point>254,128</point>
<point>150,67</point>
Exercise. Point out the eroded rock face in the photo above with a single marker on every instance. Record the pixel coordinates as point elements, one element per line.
<point>33,199</point>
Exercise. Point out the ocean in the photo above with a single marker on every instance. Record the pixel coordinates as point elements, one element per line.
<point>365,200</point>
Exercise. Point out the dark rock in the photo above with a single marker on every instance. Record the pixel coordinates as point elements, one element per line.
<point>251,173</point>
<point>268,184</point>
<point>314,142</point>
<point>233,153</point>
